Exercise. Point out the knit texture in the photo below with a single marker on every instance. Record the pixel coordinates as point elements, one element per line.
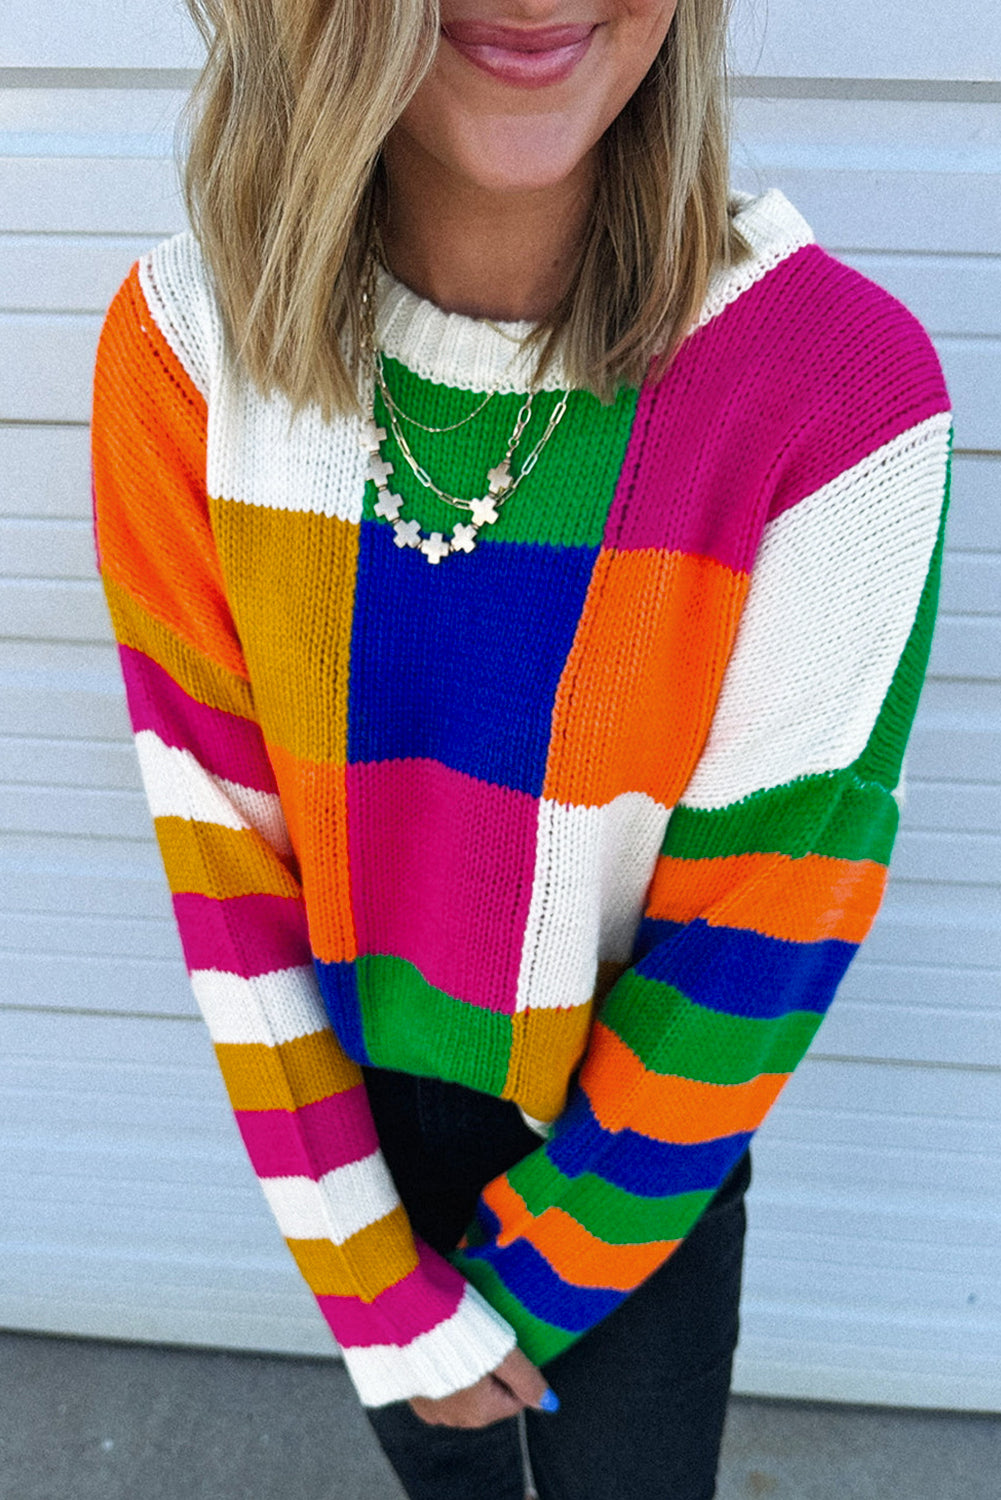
<point>592,818</point>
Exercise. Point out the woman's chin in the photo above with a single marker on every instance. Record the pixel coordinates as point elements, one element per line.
<point>524,157</point>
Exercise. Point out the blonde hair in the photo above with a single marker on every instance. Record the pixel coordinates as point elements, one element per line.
<point>283,184</point>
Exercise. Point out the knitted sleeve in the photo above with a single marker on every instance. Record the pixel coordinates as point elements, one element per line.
<point>407,1321</point>
<point>770,875</point>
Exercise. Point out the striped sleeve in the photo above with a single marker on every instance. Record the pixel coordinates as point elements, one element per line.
<point>772,869</point>
<point>407,1321</point>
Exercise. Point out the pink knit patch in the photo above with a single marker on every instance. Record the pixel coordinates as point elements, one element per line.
<point>775,397</point>
<point>314,1139</point>
<point>414,1305</point>
<point>224,743</point>
<point>441,874</point>
<point>245,935</point>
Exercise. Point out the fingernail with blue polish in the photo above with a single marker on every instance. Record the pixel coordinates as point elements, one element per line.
<point>549,1402</point>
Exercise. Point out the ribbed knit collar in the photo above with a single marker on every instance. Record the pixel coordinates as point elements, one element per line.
<point>476,355</point>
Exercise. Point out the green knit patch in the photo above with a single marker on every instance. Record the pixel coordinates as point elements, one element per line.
<point>611,1213</point>
<point>563,502</point>
<point>672,1035</point>
<point>833,814</point>
<point>411,1026</point>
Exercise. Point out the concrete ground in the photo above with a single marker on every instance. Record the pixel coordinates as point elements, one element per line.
<point>82,1420</point>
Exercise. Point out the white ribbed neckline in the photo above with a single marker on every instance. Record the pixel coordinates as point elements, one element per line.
<point>471,354</point>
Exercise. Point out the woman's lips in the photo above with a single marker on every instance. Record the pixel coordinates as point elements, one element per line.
<point>528,59</point>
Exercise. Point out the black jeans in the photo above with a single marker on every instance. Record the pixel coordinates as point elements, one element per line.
<point>642,1395</point>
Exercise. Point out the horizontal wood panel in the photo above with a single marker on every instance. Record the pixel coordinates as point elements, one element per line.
<point>858,40</point>
<point>972,584</point>
<point>80,811</point>
<point>61,710</point>
<point>868,135</point>
<point>90,195</point>
<point>39,610</point>
<point>885,210</point>
<point>951,1033</point>
<point>52,381</point>
<point>64,273</point>
<point>42,548</point>
<point>140,985</point>
<point>973,374</point>
<point>93,764</point>
<point>45,472</point>
<point>112,34</point>
<point>975,515</point>
<point>129,934</point>
<point>973,859</point>
<point>967,646</point>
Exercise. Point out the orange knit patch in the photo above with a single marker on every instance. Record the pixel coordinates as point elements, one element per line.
<point>581,1258</point>
<point>800,900</point>
<point>577,1255</point>
<point>314,799</point>
<point>287,1076</point>
<point>680,1110</point>
<point>153,535</point>
<point>639,688</point>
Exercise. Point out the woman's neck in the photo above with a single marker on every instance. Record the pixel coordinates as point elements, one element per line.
<point>509,257</point>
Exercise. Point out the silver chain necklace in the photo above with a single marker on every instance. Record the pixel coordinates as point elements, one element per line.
<point>483,510</point>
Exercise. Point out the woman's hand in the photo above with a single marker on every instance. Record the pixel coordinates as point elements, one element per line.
<point>514,1384</point>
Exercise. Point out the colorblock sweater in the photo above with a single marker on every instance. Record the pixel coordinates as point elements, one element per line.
<point>591,818</point>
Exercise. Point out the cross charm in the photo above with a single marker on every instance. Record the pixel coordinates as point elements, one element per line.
<point>379,470</point>
<point>435,547</point>
<point>499,477</point>
<point>407,533</point>
<point>483,512</point>
<point>388,505</point>
<point>463,538</point>
<point>371,436</point>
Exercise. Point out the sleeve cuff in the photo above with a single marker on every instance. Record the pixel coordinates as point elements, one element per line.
<point>452,1355</point>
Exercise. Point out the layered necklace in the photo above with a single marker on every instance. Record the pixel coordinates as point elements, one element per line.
<point>501,484</point>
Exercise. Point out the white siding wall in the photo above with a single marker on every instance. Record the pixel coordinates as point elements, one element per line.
<point>129,1209</point>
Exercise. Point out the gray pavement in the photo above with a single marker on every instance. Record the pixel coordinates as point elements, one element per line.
<point>82,1420</point>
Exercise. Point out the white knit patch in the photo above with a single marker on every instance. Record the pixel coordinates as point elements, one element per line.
<point>450,349</point>
<point>265,1010</point>
<point>592,869</point>
<point>260,454</point>
<point>774,230</point>
<point>833,597</point>
<point>262,811</point>
<point>455,1354</point>
<point>179,294</point>
<point>178,786</point>
<point>340,1204</point>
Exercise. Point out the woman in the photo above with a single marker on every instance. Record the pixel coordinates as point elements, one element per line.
<point>524,555</point>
